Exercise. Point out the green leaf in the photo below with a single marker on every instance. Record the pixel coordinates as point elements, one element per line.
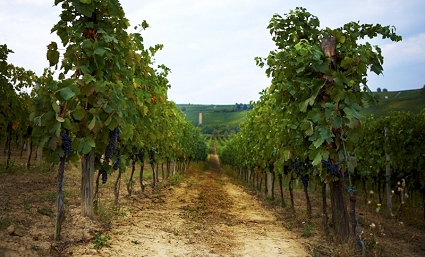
<point>325,132</point>
<point>352,112</point>
<point>67,93</point>
<point>56,107</point>
<point>317,159</point>
<point>300,69</point>
<point>303,106</point>
<point>307,126</point>
<point>346,62</point>
<point>79,113</point>
<point>108,120</point>
<point>52,54</point>
<point>100,51</point>
<point>92,123</point>
<point>340,79</point>
<point>88,78</point>
<point>60,119</point>
<point>85,7</point>
<point>55,129</point>
<point>85,145</point>
<point>85,69</point>
<point>67,124</point>
<point>318,142</point>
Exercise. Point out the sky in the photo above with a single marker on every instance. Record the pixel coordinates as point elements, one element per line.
<point>210,45</point>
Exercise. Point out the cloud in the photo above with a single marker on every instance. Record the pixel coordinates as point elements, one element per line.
<point>409,51</point>
<point>210,45</point>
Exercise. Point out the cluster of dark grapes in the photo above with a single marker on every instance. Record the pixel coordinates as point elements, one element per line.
<point>304,179</point>
<point>118,162</point>
<point>141,156</point>
<point>271,168</point>
<point>104,175</point>
<point>332,168</point>
<point>152,156</point>
<point>135,149</point>
<point>66,143</point>
<point>296,165</point>
<point>113,138</point>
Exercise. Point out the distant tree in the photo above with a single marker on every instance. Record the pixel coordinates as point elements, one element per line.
<point>423,91</point>
<point>245,107</point>
<point>238,107</point>
<point>183,109</point>
<point>378,90</point>
<point>384,90</point>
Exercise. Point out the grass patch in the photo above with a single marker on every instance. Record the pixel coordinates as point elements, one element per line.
<point>4,223</point>
<point>101,240</point>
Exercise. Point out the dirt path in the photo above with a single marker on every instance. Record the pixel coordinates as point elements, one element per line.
<point>200,214</point>
<point>206,215</point>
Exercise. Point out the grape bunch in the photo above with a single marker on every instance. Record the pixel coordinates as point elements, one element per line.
<point>113,138</point>
<point>271,168</point>
<point>296,165</point>
<point>304,179</point>
<point>326,164</point>
<point>118,162</point>
<point>134,149</point>
<point>66,143</point>
<point>141,156</point>
<point>332,168</point>
<point>152,156</point>
<point>104,175</point>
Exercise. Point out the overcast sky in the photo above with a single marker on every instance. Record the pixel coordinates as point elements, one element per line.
<point>210,45</point>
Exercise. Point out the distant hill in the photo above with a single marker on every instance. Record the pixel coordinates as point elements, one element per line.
<point>407,100</point>
<point>226,118</point>
<point>220,119</point>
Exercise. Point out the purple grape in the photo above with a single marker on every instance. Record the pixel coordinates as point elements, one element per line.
<point>104,175</point>
<point>66,143</point>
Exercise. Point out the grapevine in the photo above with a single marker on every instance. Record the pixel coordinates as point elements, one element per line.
<point>118,162</point>
<point>113,138</point>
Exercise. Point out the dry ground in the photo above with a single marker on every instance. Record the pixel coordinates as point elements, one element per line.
<point>199,214</point>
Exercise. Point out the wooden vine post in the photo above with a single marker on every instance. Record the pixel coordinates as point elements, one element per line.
<point>60,206</point>
<point>388,178</point>
<point>87,184</point>
<point>339,207</point>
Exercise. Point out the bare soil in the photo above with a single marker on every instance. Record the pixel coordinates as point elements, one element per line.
<point>200,214</point>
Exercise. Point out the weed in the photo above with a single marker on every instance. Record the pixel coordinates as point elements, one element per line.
<point>175,232</point>
<point>190,182</point>
<point>273,201</point>
<point>307,230</point>
<point>4,223</point>
<point>105,216</point>
<point>175,180</point>
<point>45,211</point>
<point>27,206</point>
<point>289,225</point>
<point>50,196</point>
<point>99,240</point>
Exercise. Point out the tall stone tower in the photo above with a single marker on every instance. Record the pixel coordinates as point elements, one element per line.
<point>200,118</point>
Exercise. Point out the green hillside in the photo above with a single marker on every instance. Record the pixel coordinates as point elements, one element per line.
<point>218,119</point>
<point>222,119</point>
<point>408,100</point>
